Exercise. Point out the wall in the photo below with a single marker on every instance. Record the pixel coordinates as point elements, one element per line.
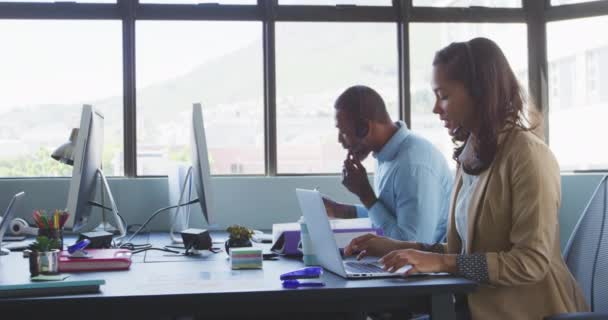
<point>253,201</point>
<point>257,202</point>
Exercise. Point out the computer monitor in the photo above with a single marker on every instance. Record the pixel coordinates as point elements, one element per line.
<point>201,174</point>
<point>13,207</point>
<point>87,167</point>
<point>193,181</point>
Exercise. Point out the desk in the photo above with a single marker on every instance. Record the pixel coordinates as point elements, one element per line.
<point>208,287</point>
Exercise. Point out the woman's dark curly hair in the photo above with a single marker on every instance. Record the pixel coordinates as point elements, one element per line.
<point>497,95</point>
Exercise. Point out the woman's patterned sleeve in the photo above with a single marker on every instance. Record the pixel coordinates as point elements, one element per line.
<point>473,267</point>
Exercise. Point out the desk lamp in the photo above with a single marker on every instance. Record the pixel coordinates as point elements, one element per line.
<point>65,152</point>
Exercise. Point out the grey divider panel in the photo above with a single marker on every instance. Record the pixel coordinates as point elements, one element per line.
<point>581,252</point>
<point>600,279</point>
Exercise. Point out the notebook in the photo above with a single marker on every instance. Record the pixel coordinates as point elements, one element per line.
<point>50,288</point>
<point>98,260</point>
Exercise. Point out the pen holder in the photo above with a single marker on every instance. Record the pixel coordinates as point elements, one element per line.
<point>45,262</point>
<point>52,234</point>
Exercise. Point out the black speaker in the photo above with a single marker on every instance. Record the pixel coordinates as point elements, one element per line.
<point>198,239</point>
<point>99,239</point>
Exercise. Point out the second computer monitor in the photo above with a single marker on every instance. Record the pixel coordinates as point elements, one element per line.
<point>87,158</point>
<point>201,174</point>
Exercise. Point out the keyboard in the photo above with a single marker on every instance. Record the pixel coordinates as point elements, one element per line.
<point>363,267</point>
<point>17,245</point>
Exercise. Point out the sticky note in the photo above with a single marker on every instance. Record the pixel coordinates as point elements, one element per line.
<point>246,258</point>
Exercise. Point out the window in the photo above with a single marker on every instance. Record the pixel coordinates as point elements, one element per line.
<point>426,39</point>
<point>315,63</point>
<point>249,2</point>
<point>578,109</point>
<point>72,54</point>
<point>79,1</point>
<point>218,64</point>
<point>562,2</point>
<point>468,3</point>
<point>592,75</point>
<point>337,2</point>
<point>49,70</point>
<point>554,85</point>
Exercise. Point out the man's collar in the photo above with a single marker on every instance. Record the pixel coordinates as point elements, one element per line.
<point>391,148</point>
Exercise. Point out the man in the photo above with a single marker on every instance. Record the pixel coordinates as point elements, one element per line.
<point>412,184</point>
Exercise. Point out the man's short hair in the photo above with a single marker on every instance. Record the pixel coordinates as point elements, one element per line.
<point>364,103</point>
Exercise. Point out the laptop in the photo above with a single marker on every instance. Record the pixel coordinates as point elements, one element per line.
<point>8,216</point>
<point>325,247</point>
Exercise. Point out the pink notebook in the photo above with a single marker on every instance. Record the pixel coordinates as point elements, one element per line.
<point>98,260</point>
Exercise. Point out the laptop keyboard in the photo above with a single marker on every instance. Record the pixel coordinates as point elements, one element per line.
<point>363,267</point>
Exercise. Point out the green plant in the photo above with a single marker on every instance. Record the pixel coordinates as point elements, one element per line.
<point>239,232</point>
<point>44,244</point>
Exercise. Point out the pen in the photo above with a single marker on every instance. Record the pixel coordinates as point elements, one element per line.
<point>64,217</point>
<point>45,223</point>
<point>37,218</point>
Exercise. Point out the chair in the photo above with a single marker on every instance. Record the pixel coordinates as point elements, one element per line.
<point>586,255</point>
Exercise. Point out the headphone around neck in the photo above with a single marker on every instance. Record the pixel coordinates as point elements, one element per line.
<point>474,85</point>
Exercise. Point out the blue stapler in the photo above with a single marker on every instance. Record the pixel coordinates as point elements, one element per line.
<point>77,250</point>
<point>305,273</point>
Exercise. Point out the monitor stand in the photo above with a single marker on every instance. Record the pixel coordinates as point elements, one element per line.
<point>105,224</point>
<point>177,218</point>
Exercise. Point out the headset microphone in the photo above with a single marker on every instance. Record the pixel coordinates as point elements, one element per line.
<point>19,227</point>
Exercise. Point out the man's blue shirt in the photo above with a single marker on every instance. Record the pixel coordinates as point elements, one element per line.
<point>413,184</point>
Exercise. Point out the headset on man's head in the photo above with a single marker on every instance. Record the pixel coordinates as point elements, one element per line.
<point>361,125</point>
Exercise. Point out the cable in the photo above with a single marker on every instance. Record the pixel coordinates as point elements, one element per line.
<point>156,213</point>
<point>99,205</point>
<point>131,226</point>
<point>156,249</point>
<point>133,246</point>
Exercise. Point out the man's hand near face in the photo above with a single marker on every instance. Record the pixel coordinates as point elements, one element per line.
<point>354,178</point>
<point>339,210</point>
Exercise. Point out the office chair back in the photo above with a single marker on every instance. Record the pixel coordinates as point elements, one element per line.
<point>586,253</point>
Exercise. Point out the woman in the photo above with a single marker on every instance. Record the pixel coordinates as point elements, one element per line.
<point>503,226</point>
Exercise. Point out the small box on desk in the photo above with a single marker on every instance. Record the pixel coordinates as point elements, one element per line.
<point>99,239</point>
<point>197,239</point>
<point>246,258</point>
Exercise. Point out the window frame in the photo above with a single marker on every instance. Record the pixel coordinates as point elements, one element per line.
<point>536,14</point>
